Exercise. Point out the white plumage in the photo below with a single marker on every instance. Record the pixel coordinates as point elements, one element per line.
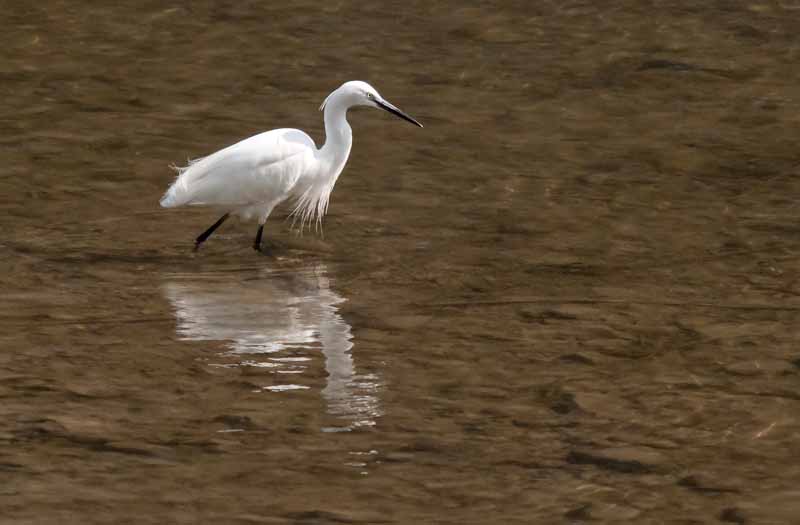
<point>251,177</point>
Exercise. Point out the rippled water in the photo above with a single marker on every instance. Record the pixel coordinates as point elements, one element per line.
<point>571,297</point>
<point>283,321</point>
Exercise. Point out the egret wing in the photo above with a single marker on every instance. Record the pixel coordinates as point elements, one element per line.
<point>262,168</point>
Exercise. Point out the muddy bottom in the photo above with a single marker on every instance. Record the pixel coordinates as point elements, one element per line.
<point>573,296</point>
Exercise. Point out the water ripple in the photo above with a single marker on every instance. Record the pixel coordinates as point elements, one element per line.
<point>278,320</point>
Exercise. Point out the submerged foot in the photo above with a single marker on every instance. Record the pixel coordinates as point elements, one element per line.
<point>262,249</point>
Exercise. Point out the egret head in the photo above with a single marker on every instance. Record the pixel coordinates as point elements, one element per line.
<point>358,93</point>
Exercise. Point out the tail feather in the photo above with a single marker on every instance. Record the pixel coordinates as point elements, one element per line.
<point>171,198</point>
<point>178,193</point>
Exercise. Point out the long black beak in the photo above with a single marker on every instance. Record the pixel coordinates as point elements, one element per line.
<point>394,111</point>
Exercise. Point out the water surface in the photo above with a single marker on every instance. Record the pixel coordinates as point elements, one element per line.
<point>573,296</point>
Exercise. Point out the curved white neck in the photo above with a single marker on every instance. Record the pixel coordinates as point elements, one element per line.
<point>338,135</point>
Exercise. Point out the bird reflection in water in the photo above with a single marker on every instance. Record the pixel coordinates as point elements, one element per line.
<point>278,319</point>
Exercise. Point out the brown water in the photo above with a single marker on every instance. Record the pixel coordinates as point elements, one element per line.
<point>574,296</point>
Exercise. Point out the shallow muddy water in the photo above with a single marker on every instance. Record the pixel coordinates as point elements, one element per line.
<point>573,296</point>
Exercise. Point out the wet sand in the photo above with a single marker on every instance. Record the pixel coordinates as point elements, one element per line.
<point>574,296</point>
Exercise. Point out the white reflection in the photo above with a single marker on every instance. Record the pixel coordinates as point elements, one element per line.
<point>278,320</point>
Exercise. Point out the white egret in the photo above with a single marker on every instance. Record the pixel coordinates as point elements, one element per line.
<point>251,177</point>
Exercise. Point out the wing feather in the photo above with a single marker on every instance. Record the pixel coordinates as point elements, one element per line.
<point>259,169</point>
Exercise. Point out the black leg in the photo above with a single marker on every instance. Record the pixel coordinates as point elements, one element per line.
<point>206,234</point>
<point>257,243</point>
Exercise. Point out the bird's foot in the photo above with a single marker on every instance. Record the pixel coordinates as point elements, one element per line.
<point>263,250</point>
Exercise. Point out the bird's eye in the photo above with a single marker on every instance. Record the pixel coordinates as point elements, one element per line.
<point>369,95</point>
